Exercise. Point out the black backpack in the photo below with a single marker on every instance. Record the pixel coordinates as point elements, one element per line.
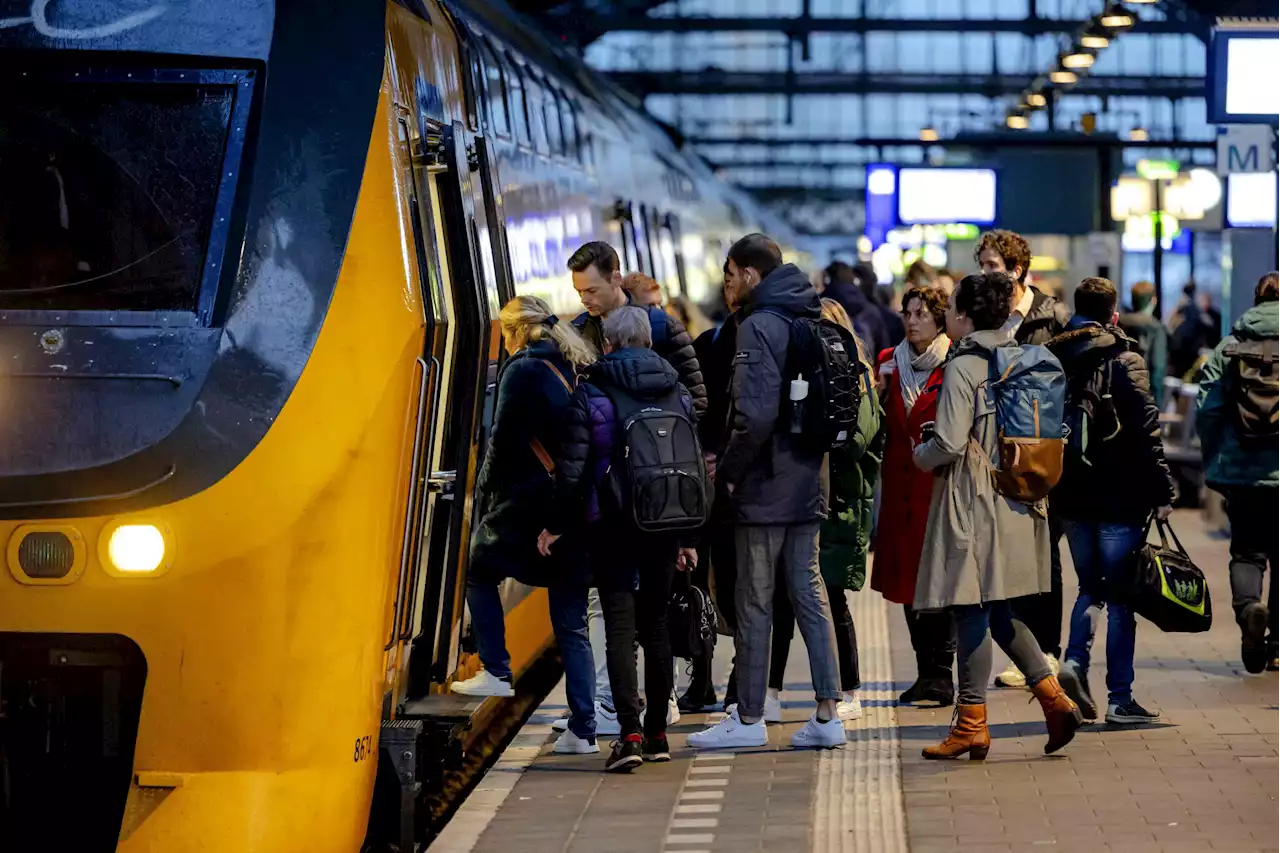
<point>1254,388</point>
<point>658,476</point>
<point>691,621</point>
<point>1091,420</point>
<point>825,355</point>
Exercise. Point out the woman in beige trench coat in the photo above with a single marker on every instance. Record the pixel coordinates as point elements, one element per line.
<point>982,548</point>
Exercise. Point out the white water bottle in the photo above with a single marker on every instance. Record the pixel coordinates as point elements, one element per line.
<point>799,393</point>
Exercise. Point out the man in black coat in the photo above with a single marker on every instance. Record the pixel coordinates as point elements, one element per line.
<point>1036,319</point>
<point>597,276</point>
<point>868,324</point>
<point>1114,478</point>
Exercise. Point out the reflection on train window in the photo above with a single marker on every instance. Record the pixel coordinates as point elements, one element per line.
<point>535,99</point>
<point>515,90</point>
<point>496,92</point>
<point>107,193</point>
<point>555,135</point>
<point>569,121</point>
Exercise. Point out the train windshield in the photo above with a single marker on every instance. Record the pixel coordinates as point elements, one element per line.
<point>108,192</point>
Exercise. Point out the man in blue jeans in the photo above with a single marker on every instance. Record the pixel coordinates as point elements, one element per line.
<point>1114,479</point>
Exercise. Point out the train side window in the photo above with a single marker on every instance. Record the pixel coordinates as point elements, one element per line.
<point>472,80</point>
<point>569,119</point>
<point>496,93</point>
<point>555,131</point>
<point>516,93</point>
<point>536,97</point>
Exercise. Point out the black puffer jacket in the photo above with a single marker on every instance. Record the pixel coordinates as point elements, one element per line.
<point>670,340</point>
<point>1128,477</point>
<point>518,496</point>
<point>1047,318</point>
<point>774,481</point>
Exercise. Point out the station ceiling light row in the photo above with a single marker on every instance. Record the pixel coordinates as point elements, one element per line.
<point>1096,35</point>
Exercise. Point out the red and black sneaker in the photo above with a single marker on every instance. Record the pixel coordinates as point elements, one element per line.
<point>626,755</point>
<point>656,749</point>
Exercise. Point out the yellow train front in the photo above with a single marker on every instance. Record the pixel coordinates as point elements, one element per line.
<point>251,256</point>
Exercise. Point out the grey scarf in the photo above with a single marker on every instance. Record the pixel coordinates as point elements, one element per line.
<point>914,370</point>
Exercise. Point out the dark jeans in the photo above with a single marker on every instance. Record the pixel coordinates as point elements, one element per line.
<point>933,639</point>
<point>973,647</point>
<point>638,611</point>
<point>1103,555</point>
<point>568,607</point>
<point>1042,613</point>
<point>1252,512</point>
<point>784,626</point>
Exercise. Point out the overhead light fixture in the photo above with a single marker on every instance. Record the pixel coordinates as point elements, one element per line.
<point>1116,18</point>
<point>1063,78</point>
<point>1141,2</point>
<point>1094,41</point>
<point>1017,121</point>
<point>1036,100</point>
<point>1139,134</point>
<point>1078,59</point>
<point>928,134</point>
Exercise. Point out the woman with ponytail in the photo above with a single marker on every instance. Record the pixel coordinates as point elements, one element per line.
<point>518,497</point>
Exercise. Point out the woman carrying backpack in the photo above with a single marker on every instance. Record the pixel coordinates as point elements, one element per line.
<point>842,543</point>
<point>984,548</point>
<point>519,499</point>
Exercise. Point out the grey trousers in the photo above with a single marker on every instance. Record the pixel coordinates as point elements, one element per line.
<point>760,547</point>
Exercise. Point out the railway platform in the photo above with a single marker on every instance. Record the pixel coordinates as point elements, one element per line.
<point>1204,778</point>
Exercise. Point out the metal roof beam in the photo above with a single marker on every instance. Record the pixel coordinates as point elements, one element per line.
<point>1004,140</point>
<point>716,82</point>
<point>807,25</point>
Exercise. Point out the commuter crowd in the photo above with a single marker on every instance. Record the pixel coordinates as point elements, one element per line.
<point>667,488</point>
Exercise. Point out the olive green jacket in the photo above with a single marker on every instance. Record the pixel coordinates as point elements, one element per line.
<point>842,552</point>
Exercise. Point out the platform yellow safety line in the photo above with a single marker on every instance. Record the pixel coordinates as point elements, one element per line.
<point>859,806</point>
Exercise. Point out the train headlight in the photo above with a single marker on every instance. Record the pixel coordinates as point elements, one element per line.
<point>135,548</point>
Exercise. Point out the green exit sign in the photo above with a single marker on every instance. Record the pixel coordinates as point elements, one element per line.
<point>1158,170</point>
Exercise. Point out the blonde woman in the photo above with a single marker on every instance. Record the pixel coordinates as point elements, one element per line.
<point>519,499</point>
<point>842,548</point>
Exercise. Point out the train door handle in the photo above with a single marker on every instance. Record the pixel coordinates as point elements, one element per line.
<point>441,483</point>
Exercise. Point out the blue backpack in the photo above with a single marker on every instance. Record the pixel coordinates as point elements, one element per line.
<point>1028,389</point>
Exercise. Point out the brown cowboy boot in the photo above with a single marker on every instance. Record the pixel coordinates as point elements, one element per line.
<point>968,734</point>
<point>1061,716</point>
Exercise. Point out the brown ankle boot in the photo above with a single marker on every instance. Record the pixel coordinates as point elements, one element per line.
<point>968,734</point>
<point>1061,716</point>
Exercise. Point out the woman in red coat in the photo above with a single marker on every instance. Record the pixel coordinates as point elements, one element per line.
<point>910,377</point>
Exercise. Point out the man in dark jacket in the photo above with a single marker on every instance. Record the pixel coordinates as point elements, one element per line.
<point>597,276</point>
<point>882,298</point>
<point>633,570</point>
<point>1114,478</point>
<point>1036,319</point>
<point>1142,323</point>
<point>1236,420</point>
<point>779,496</point>
<point>868,325</point>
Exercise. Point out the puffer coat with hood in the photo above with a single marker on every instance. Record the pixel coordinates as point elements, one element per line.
<point>774,480</point>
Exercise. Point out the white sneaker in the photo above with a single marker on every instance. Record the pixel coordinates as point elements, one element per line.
<point>772,706</point>
<point>673,712</point>
<point>560,725</point>
<point>819,735</point>
<point>483,684</point>
<point>850,707</point>
<point>606,721</point>
<point>730,732</point>
<point>1011,677</point>
<point>570,744</point>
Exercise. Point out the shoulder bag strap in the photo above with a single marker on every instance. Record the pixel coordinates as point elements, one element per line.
<point>535,445</point>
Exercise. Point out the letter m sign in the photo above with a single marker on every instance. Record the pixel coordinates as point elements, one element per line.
<point>1245,148</point>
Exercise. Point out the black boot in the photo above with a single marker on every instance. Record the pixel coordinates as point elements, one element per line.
<point>701,695</point>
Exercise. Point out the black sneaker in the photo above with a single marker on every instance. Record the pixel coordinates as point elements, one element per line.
<point>656,749</point>
<point>1130,713</point>
<point>1253,630</point>
<point>625,756</point>
<point>1075,683</point>
<point>697,699</point>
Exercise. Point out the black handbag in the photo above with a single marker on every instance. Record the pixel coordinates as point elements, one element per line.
<point>1168,589</point>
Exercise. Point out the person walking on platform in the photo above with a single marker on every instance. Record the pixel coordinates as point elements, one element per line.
<point>1114,479</point>
<point>519,497</point>
<point>842,543</point>
<point>1142,323</point>
<point>597,277</point>
<point>910,379</point>
<point>633,568</point>
<point>1237,422</point>
<point>778,491</point>
<point>1035,318</point>
<point>983,548</point>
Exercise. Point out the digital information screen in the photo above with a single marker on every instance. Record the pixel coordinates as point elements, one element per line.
<point>1241,75</point>
<point>1251,200</point>
<point>942,195</point>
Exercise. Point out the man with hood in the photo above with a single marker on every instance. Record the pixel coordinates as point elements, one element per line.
<point>1238,437</point>
<point>1036,318</point>
<point>882,298</point>
<point>1114,478</point>
<point>778,492</point>
<point>868,324</point>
